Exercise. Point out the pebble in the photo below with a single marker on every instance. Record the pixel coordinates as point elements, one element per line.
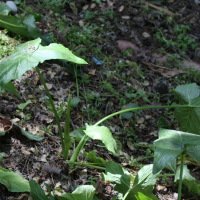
<point>12,5</point>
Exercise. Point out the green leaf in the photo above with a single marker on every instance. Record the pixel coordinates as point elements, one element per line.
<point>171,165</point>
<point>188,180</point>
<point>1,156</point>
<point>23,105</point>
<point>2,133</point>
<point>74,102</point>
<point>29,55</point>
<point>128,115</point>
<point>186,93</point>
<point>29,22</point>
<point>84,192</point>
<point>37,193</point>
<point>101,133</point>
<point>4,9</point>
<point>13,25</point>
<point>10,88</point>
<point>13,181</point>
<point>28,134</point>
<point>142,184</point>
<point>78,133</point>
<point>92,156</point>
<point>170,144</point>
<point>188,117</point>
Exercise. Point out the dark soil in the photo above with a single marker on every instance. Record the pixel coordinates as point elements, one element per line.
<point>123,36</point>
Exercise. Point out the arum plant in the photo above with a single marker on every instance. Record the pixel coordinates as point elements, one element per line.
<point>29,55</point>
<point>171,144</point>
<point>189,106</point>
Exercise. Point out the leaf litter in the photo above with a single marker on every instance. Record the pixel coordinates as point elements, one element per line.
<point>128,42</point>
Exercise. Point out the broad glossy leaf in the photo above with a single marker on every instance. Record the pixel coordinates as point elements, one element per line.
<point>4,9</point>
<point>188,180</point>
<point>29,55</point>
<point>170,144</point>
<point>141,186</point>
<point>185,93</point>
<point>84,192</point>
<point>13,181</point>
<point>102,133</point>
<point>13,25</point>
<point>188,117</point>
<point>29,22</point>
<point>37,193</point>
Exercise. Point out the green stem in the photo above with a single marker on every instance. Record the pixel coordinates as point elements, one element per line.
<point>140,159</point>
<point>141,108</point>
<point>78,149</point>
<point>85,164</point>
<point>180,178</point>
<point>75,72</point>
<point>127,193</point>
<point>164,175</point>
<point>53,107</point>
<point>67,138</point>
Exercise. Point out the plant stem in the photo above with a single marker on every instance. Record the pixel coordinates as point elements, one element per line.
<point>142,108</point>
<point>67,138</point>
<point>78,149</point>
<point>82,142</point>
<point>77,89</point>
<point>180,178</point>
<point>127,193</point>
<point>85,164</point>
<point>164,175</point>
<point>53,107</point>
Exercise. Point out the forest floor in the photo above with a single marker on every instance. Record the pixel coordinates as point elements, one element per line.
<point>137,52</point>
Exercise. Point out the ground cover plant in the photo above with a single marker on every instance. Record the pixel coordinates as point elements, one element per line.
<point>115,92</point>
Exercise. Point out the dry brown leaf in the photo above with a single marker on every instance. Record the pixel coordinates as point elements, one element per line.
<point>92,71</point>
<point>123,45</point>
<point>188,64</point>
<point>164,71</point>
<point>169,13</point>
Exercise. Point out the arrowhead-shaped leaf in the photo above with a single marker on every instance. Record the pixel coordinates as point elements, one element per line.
<point>13,24</point>
<point>188,117</point>
<point>139,188</point>
<point>37,193</point>
<point>84,192</point>
<point>170,144</point>
<point>13,181</point>
<point>29,55</point>
<point>102,133</point>
<point>188,180</point>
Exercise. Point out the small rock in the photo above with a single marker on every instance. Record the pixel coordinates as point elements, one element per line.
<point>121,8</point>
<point>146,35</point>
<point>12,5</point>
<point>93,5</point>
<point>140,120</point>
<point>176,195</point>
<point>148,117</point>
<point>126,17</point>
<point>197,2</point>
